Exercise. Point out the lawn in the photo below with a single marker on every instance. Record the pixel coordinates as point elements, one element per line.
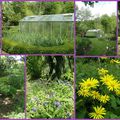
<point>97,46</point>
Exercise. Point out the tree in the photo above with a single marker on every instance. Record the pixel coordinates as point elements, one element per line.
<point>83,14</point>
<point>50,67</point>
<point>13,12</point>
<point>108,23</point>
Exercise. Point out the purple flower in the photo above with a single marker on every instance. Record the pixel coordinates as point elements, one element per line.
<point>57,104</point>
<point>34,109</point>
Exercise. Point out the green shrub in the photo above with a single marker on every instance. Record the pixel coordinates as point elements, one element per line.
<point>83,46</point>
<point>15,47</point>
<point>110,37</point>
<point>10,84</point>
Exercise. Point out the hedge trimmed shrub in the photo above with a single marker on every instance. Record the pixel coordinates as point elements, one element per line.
<point>13,47</point>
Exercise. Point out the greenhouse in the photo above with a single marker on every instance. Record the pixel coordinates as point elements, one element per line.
<point>55,26</point>
<point>98,33</point>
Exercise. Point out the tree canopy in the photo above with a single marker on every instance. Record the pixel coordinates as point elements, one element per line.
<point>15,11</point>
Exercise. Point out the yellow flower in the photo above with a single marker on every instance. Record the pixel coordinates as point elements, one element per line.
<point>104,98</point>
<point>89,83</point>
<point>118,92</point>
<point>98,113</point>
<point>107,78</point>
<point>95,94</point>
<point>83,92</point>
<point>113,85</point>
<point>115,61</point>
<point>102,71</point>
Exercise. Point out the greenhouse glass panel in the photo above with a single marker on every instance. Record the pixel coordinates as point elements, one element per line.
<point>57,27</point>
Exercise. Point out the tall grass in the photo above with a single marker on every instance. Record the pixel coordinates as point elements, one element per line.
<point>35,39</point>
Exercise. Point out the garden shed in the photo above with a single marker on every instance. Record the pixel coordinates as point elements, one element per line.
<point>53,26</point>
<point>98,33</point>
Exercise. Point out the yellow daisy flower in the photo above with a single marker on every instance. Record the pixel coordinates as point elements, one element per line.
<point>89,83</point>
<point>107,78</point>
<point>98,113</point>
<point>113,85</point>
<point>104,98</point>
<point>95,94</point>
<point>84,92</point>
<point>102,71</point>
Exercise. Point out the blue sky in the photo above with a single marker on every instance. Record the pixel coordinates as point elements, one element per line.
<point>100,8</point>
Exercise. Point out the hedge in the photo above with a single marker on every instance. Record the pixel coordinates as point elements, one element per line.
<point>12,47</point>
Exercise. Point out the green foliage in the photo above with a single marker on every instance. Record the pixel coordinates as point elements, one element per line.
<point>11,88</point>
<point>83,45</point>
<point>68,76</point>
<point>14,115</point>
<point>35,66</point>
<point>35,39</point>
<point>11,46</point>
<point>50,87</point>
<point>49,100</point>
<point>50,67</point>
<point>2,67</point>
<point>15,11</point>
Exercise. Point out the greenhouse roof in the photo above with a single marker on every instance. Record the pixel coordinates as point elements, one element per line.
<point>53,17</point>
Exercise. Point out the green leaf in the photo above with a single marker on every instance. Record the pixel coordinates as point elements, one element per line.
<point>113,101</point>
<point>81,113</point>
<point>113,115</point>
<point>118,101</point>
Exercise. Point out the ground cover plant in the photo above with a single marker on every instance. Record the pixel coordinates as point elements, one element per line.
<point>50,87</point>
<point>46,37</point>
<point>11,87</point>
<point>98,88</point>
<point>96,33</point>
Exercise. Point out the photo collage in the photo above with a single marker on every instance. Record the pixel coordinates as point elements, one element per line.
<point>59,59</point>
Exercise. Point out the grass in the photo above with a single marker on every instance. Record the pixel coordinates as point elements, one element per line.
<point>47,99</point>
<point>35,39</point>
<point>99,46</point>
